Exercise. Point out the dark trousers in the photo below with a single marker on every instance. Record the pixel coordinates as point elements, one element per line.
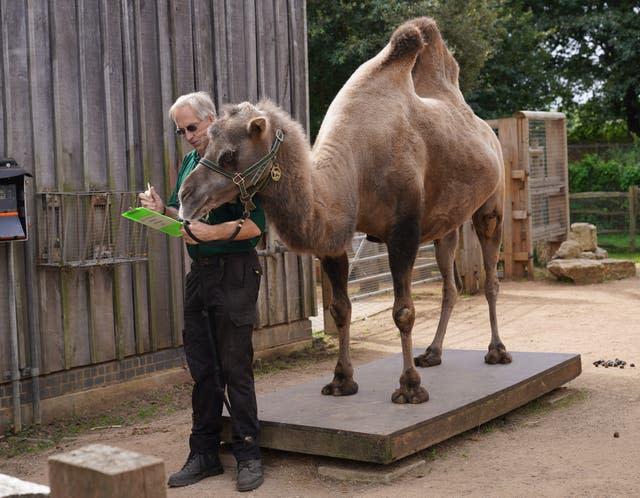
<point>219,313</point>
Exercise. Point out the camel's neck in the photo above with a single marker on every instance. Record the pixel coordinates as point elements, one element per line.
<point>313,206</point>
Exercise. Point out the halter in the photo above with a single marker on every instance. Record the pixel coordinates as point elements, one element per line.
<point>251,187</point>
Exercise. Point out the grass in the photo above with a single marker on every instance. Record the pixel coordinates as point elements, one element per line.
<point>618,246</point>
<point>127,413</point>
<point>324,347</point>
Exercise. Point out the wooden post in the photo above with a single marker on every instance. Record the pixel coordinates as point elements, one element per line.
<point>99,471</point>
<point>633,213</point>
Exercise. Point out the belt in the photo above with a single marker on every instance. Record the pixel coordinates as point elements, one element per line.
<point>208,261</point>
<point>219,258</point>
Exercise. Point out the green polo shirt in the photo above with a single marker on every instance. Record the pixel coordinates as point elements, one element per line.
<point>226,212</point>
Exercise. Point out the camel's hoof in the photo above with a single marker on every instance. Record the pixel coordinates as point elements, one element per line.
<point>495,356</point>
<point>414,395</point>
<point>342,388</point>
<point>429,358</point>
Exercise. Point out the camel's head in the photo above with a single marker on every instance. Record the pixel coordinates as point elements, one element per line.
<point>237,140</point>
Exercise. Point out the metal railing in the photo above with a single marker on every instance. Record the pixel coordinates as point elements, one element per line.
<point>369,272</point>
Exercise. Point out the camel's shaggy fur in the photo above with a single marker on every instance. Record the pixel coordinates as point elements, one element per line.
<point>399,156</point>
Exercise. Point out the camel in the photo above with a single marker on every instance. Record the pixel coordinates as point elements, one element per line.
<point>399,156</point>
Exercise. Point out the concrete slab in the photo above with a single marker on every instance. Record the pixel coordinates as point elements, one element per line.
<point>464,393</point>
<point>387,474</point>
<point>12,487</point>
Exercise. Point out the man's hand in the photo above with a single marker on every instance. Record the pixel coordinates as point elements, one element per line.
<point>201,230</point>
<point>151,200</point>
<point>221,231</point>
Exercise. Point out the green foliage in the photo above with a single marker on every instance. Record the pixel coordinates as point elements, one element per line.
<point>587,124</point>
<point>594,174</point>
<point>343,34</point>
<point>614,171</point>
<point>609,131</point>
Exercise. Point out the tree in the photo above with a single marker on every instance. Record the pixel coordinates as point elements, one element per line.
<point>342,34</point>
<point>518,74</point>
<point>596,51</point>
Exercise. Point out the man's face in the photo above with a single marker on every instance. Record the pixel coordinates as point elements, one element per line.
<point>195,129</point>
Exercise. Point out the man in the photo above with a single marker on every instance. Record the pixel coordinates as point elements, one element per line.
<point>219,311</point>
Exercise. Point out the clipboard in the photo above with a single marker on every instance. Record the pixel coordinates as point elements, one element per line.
<point>154,220</point>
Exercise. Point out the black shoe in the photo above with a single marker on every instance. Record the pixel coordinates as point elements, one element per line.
<point>197,467</point>
<point>250,475</point>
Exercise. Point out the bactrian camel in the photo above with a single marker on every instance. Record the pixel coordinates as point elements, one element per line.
<point>400,156</point>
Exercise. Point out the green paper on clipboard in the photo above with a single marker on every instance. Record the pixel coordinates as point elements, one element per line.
<point>154,220</point>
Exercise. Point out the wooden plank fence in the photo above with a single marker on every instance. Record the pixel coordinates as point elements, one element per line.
<point>619,216</point>
<point>85,90</point>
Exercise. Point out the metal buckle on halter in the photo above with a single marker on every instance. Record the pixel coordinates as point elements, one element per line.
<point>276,172</point>
<point>238,179</point>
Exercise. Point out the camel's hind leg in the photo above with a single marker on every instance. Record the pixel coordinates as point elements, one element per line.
<point>403,247</point>
<point>336,269</point>
<point>488,224</point>
<point>445,256</point>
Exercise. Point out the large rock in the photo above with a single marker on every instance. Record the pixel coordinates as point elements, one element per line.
<point>584,234</point>
<point>616,269</point>
<point>591,271</point>
<point>569,249</point>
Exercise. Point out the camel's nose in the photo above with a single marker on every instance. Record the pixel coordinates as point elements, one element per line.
<point>184,193</point>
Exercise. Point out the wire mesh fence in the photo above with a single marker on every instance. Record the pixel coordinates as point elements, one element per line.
<point>87,229</point>
<point>547,180</point>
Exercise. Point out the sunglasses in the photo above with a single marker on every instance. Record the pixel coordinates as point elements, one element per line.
<point>191,128</point>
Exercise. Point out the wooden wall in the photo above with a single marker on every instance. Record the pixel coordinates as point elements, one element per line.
<point>85,90</point>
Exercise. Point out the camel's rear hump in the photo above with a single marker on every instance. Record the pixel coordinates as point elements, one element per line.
<point>435,71</point>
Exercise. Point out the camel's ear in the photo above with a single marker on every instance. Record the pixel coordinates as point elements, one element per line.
<point>257,126</point>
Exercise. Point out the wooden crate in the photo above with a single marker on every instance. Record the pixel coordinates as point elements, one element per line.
<point>536,215</point>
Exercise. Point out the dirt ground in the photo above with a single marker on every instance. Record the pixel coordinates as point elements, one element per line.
<point>564,448</point>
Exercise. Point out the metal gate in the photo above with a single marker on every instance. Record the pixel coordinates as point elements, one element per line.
<point>370,284</point>
<point>369,273</point>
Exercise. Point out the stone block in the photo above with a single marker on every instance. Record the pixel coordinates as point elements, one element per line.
<point>569,249</point>
<point>12,487</point>
<point>99,471</point>
<point>591,271</point>
<point>616,269</point>
<point>585,234</point>
<point>601,253</point>
<point>579,271</point>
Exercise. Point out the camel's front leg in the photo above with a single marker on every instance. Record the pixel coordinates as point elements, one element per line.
<point>403,247</point>
<point>445,256</point>
<point>340,308</point>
